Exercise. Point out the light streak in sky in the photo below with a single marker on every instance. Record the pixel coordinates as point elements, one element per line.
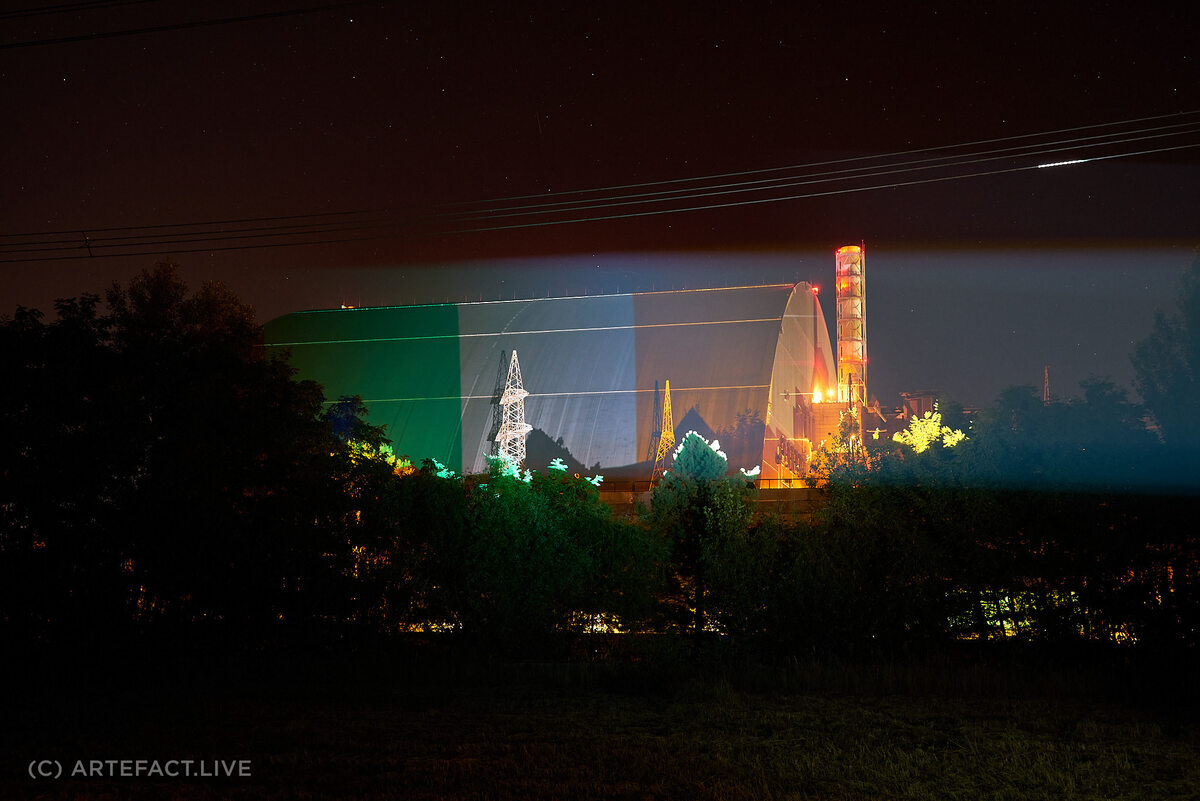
<point>1061,163</point>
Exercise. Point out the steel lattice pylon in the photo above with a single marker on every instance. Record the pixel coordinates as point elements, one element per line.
<point>511,437</point>
<point>666,442</point>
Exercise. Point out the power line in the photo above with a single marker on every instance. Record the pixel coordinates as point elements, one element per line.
<point>757,201</point>
<point>65,8</point>
<point>179,26</point>
<point>383,211</point>
<point>193,250</point>
<point>93,245</point>
<point>233,221</point>
<point>768,184</point>
<point>167,237</point>
<point>807,165</point>
<point>297,230</point>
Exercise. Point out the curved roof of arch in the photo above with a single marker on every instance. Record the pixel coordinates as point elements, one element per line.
<point>594,366</point>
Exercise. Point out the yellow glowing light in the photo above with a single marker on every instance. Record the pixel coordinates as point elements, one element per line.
<point>924,431</point>
<point>816,396</point>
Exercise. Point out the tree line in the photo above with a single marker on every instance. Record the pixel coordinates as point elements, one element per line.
<point>162,474</point>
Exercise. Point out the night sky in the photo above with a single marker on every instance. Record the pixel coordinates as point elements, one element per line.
<point>382,125</point>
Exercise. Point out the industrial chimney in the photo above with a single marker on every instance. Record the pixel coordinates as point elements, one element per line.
<point>851,324</point>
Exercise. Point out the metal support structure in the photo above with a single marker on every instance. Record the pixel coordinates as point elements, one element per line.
<point>498,393</point>
<point>655,425</point>
<point>511,437</point>
<point>666,442</point>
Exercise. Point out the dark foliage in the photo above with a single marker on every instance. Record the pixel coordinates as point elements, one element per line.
<point>519,566</point>
<point>1167,366</point>
<point>1050,522</point>
<point>159,470</point>
<point>702,519</point>
<point>160,474</point>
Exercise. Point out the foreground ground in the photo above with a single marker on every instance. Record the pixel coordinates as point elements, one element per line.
<point>332,729</point>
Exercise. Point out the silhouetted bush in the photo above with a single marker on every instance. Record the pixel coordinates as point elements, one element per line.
<point>159,470</point>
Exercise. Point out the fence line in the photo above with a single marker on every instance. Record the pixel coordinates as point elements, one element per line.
<point>619,485</point>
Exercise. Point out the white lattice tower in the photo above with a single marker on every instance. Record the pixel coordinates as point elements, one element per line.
<point>666,441</point>
<point>511,437</point>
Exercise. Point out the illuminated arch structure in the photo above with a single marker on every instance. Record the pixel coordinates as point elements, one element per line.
<point>743,364</point>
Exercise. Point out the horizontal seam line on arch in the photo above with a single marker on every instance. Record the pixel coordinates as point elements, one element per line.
<point>514,333</point>
<point>559,394</point>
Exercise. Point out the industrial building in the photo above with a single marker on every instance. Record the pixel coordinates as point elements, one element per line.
<point>753,365</point>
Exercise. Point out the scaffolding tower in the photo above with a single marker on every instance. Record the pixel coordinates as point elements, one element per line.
<point>511,437</point>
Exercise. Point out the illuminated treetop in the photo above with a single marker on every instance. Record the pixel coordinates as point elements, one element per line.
<point>924,431</point>
<point>698,459</point>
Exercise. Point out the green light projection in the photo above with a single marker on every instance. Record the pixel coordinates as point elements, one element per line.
<point>411,385</point>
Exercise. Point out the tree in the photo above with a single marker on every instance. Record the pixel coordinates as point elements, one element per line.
<point>66,469</point>
<point>1095,442</point>
<point>924,432</point>
<point>160,469</point>
<point>1167,376</point>
<point>744,441</point>
<point>846,460</point>
<point>700,515</point>
<point>516,561</point>
<point>697,460</point>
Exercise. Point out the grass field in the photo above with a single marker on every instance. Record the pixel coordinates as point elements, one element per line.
<point>445,729</point>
